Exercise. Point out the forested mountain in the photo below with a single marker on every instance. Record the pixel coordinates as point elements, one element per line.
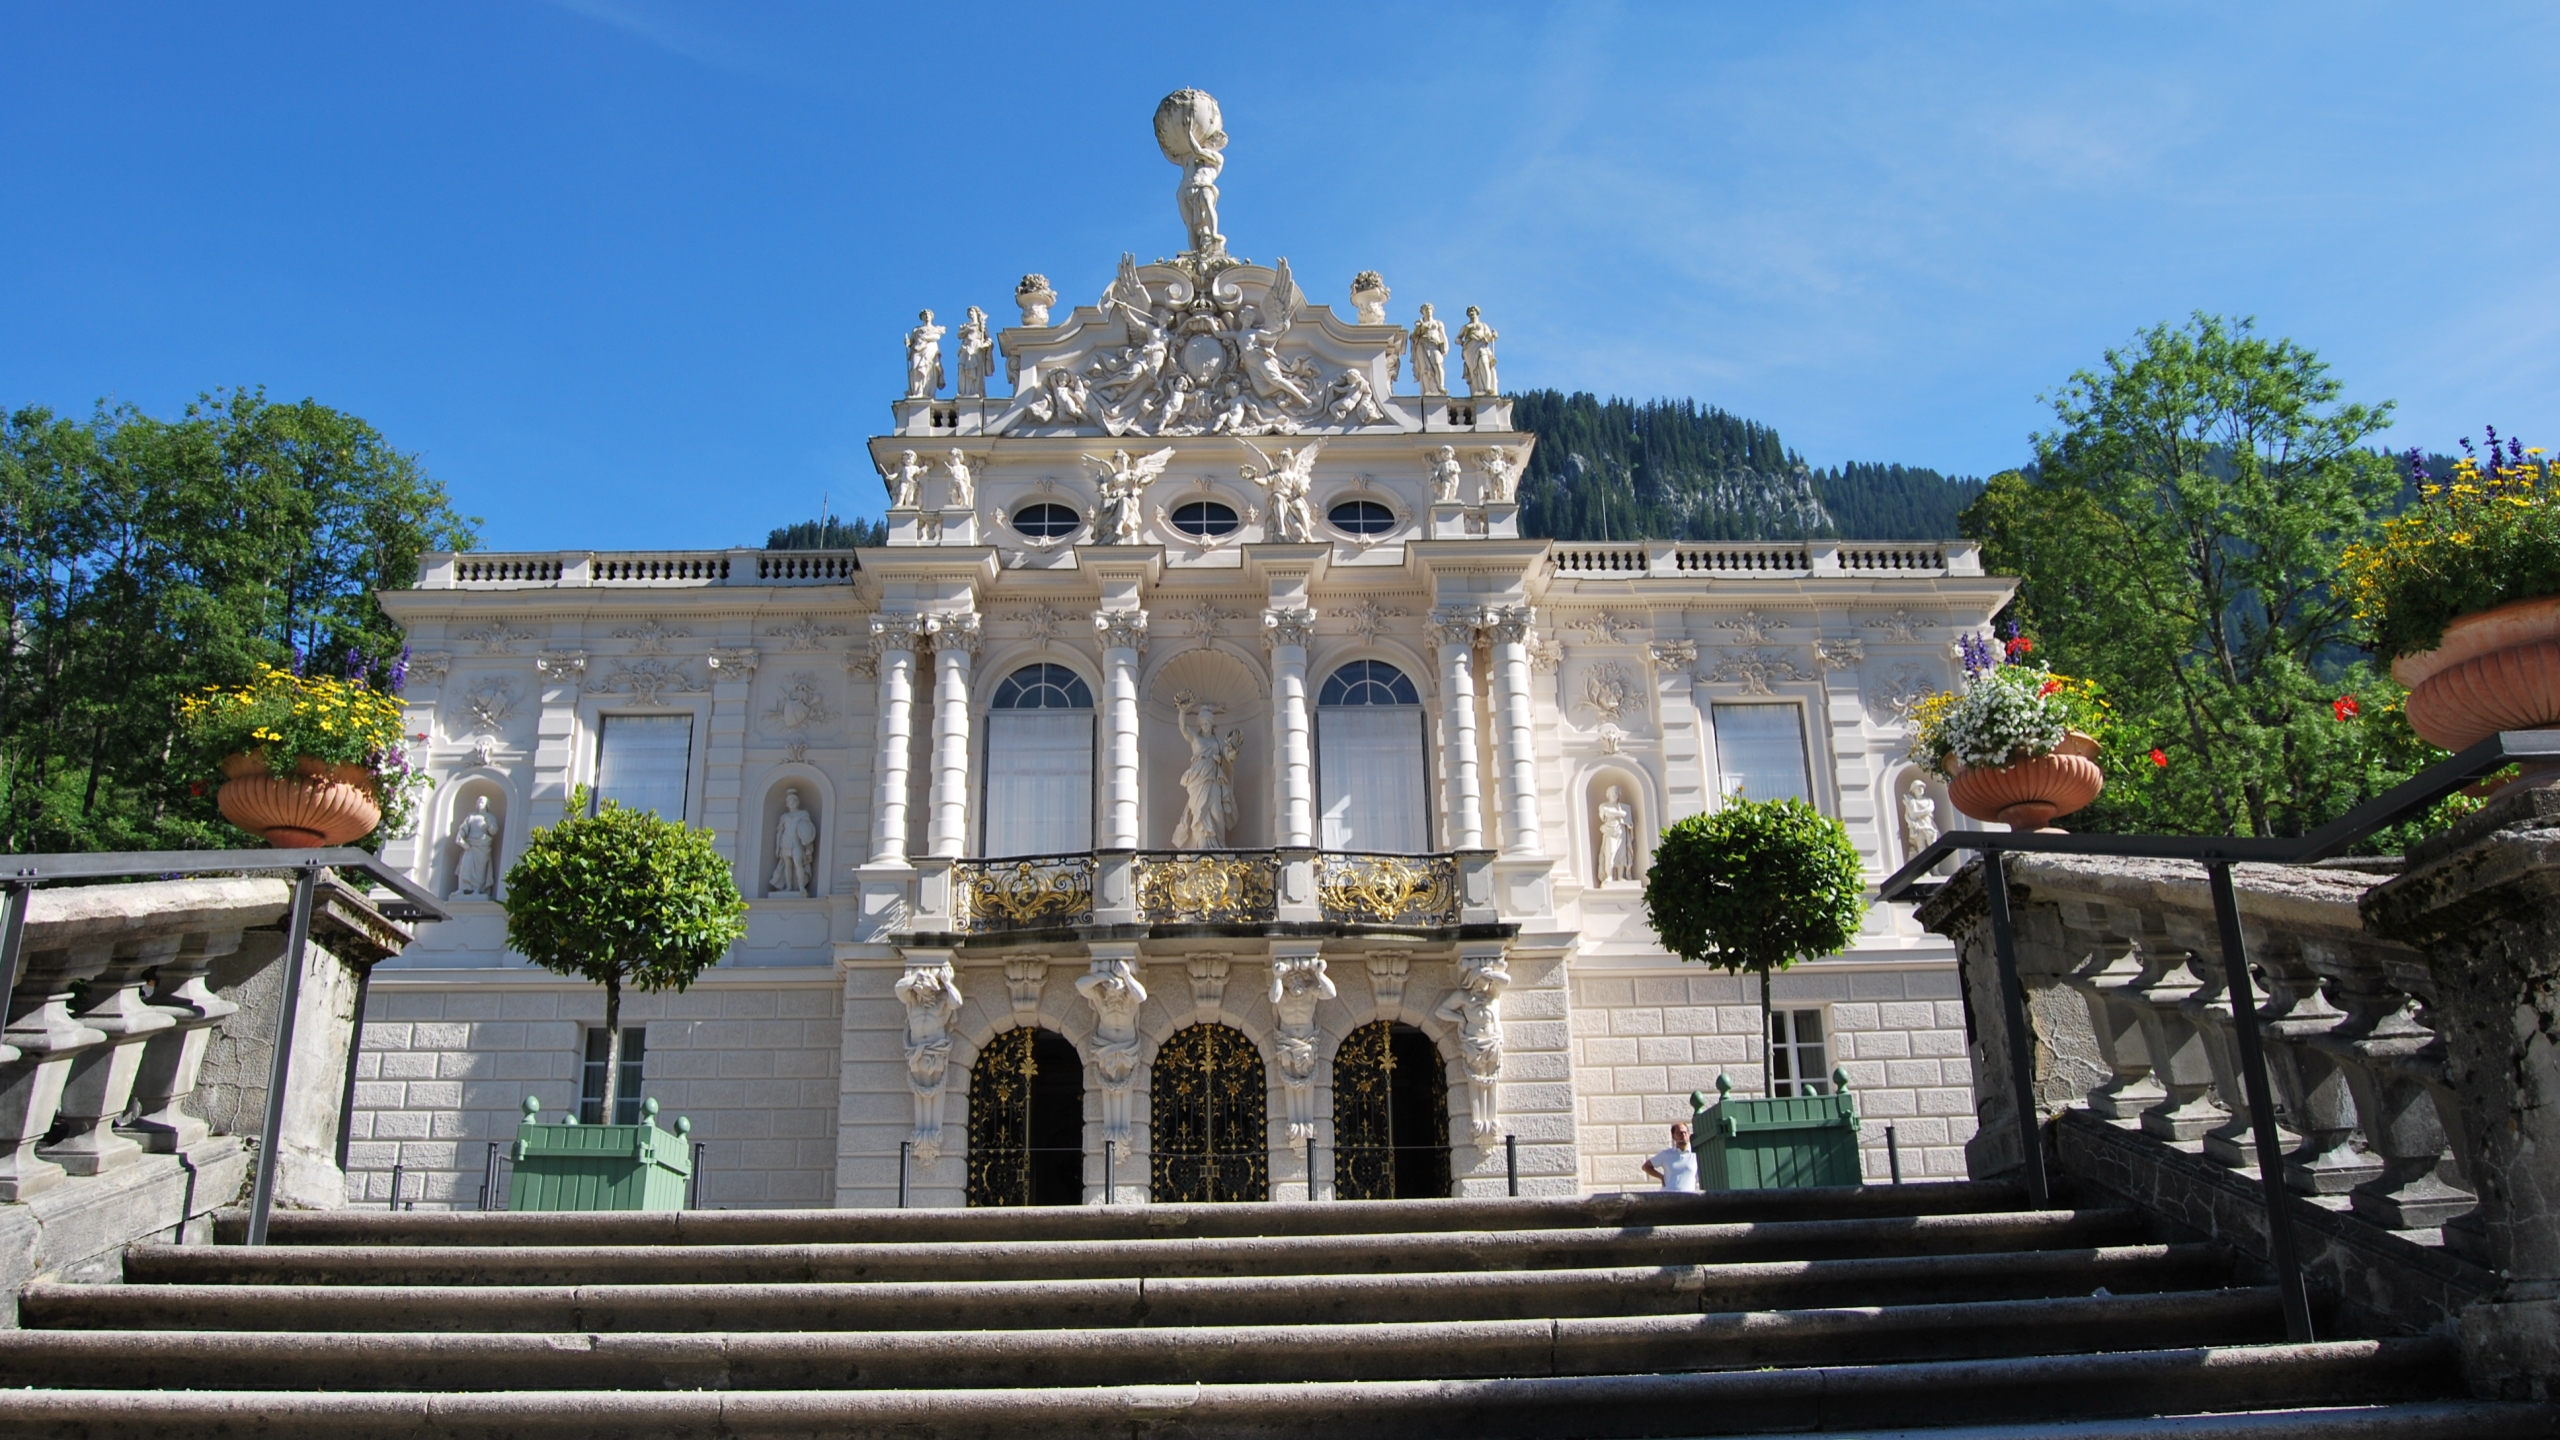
<point>1672,470</point>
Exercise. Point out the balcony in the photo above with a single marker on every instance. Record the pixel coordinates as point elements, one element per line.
<point>1252,889</point>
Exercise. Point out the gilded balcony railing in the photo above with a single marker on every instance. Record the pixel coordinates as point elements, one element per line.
<point>1024,893</point>
<point>1388,889</point>
<point>1208,886</point>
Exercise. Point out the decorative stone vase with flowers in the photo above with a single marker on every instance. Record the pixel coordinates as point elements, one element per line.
<point>2461,594</point>
<point>307,760</point>
<point>2019,744</point>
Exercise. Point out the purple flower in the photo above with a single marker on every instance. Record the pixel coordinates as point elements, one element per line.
<point>398,674</point>
<point>2418,466</point>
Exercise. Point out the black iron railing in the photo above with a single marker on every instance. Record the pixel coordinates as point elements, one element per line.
<point>2533,749</point>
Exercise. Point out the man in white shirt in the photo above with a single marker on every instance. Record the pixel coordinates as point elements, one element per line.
<point>1677,1167</point>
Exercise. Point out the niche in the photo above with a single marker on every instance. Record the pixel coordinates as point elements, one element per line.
<point>1615,821</point>
<point>1920,810</point>
<point>1171,747</point>
<point>792,854</point>
<point>470,859</point>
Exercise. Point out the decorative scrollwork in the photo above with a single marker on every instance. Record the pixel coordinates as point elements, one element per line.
<point>1208,887</point>
<point>1022,894</point>
<point>1389,889</point>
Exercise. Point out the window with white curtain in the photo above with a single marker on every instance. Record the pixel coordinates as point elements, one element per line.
<point>643,762</point>
<point>1760,751</point>
<point>1369,761</point>
<point>1039,764</point>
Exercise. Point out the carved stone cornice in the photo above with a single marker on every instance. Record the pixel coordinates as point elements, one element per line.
<point>1121,629</point>
<point>1754,669</point>
<point>955,633</point>
<point>1283,626</point>
<point>648,679</point>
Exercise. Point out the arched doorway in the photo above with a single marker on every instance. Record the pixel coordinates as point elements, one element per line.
<point>1026,1121</point>
<point>1390,1115</point>
<point>1209,1118</point>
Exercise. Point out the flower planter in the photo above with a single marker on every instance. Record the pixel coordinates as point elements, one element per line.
<point>318,805</point>
<point>2496,670</point>
<point>2029,794</point>
<point>1795,1143</point>
<point>569,1166</point>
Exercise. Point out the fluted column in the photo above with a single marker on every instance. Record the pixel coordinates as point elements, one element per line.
<point>1293,778</point>
<point>1453,629</point>
<point>955,645</point>
<point>1124,637</point>
<point>1515,740</point>
<point>894,637</point>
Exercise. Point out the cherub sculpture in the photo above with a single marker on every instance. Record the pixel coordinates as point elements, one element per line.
<point>1446,472</point>
<point>1257,341</point>
<point>1288,484</point>
<point>906,481</point>
<point>1121,484</point>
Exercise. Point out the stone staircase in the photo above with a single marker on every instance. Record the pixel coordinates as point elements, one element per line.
<point>1864,1311</point>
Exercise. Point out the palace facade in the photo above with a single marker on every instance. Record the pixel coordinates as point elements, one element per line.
<point>1205,793</point>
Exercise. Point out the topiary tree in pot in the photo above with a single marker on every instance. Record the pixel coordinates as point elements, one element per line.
<point>1755,887</point>
<point>622,897</point>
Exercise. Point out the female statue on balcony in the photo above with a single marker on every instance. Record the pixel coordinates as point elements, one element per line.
<point>1210,782</point>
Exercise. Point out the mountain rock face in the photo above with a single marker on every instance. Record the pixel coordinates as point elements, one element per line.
<point>1672,470</point>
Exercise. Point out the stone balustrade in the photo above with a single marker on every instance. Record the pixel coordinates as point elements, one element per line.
<point>135,1062</point>
<point>2410,1013</point>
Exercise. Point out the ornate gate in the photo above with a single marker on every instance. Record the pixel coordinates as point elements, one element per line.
<point>1390,1115</point>
<point>1026,1121</point>
<point>1209,1118</point>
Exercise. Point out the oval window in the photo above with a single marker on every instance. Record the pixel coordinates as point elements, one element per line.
<point>1046,522</point>
<point>1204,518</point>
<point>1362,517</point>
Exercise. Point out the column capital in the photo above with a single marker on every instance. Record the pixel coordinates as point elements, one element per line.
<point>895,632</point>
<point>1454,626</point>
<point>1673,655</point>
<point>950,633</point>
<point>1121,629</point>
<point>1509,624</point>
<point>1288,626</point>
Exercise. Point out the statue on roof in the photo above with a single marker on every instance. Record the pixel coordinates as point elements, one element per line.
<point>924,358</point>
<point>977,355</point>
<point>1430,353</point>
<point>1476,339</point>
<point>1121,483</point>
<point>1192,136</point>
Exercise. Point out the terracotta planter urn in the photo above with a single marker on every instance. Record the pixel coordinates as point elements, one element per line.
<point>2029,794</point>
<point>2497,670</point>
<point>320,804</point>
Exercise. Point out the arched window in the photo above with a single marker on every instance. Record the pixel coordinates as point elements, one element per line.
<point>1369,760</point>
<point>1039,764</point>
<point>1361,517</point>
<point>1204,519</point>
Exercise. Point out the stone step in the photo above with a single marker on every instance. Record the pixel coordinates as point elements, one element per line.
<point>1109,1259</point>
<point>1087,1304</point>
<point>1120,1222</point>
<point>2038,1388</point>
<point>2414,1420</point>
<point>1216,1355</point>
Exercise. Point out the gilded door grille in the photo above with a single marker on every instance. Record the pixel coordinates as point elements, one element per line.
<point>1390,1115</point>
<point>1026,1096</point>
<point>1209,1118</point>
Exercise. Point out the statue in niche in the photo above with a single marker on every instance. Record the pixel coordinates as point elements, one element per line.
<point>1446,472</point>
<point>477,870</point>
<point>906,482</point>
<point>1190,133</point>
<point>1430,353</point>
<point>924,358</point>
<point>1063,398</point>
<point>1121,485</point>
<point>1617,838</point>
<point>1288,483</point>
<point>795,848</point>
<point>1498,476</point>
<point>1919,817</point>
<point>1353,400</point>
<point>955,470</point>
<point>1209,813</point>
<point>977,355</point>
<point>1476,339</point>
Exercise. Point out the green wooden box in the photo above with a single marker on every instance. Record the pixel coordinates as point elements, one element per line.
<point>1795,1143</point>
<point>569,1166</point>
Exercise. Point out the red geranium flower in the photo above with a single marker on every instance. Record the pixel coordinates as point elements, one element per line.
<point>2160,758</point>
<point>2019,645</point>
<point>2345,707</point>
<point>2048,688</point>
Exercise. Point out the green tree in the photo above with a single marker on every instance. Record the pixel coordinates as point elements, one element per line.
<point>621,897</point>
<point>2178,541</point>
<point>144,559</point>
<point>1755,887</point>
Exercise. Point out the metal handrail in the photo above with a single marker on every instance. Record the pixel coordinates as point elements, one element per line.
<point>2217,853</point>
<point>21,874</point>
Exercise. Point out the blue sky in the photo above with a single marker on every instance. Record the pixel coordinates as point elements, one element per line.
<point>631,273</point>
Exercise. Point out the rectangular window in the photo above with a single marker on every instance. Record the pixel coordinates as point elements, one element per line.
<point>1369,770</point>
<point>643,762</point>
<point>1760,751</point>
<point>1798,1064</point>
<point>626,1095</point>
<point>1039,782</point>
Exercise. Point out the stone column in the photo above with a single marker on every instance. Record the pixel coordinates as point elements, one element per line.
<point>2482,903</point>
<point>894,637</point>
<point>1293,774</point>
<point>172,1059</point>
<point>955,644</point>
<point>1515,740</point>
<point>48,1040</point>
<point>1453,630</point>
<point>100,1082</point>
<point>1124,638</point>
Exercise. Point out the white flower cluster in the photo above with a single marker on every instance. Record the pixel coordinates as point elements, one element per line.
<point>2002,716</point>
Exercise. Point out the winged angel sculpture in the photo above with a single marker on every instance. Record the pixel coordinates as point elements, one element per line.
<point>1121,483</point>
<point>1287,483</point>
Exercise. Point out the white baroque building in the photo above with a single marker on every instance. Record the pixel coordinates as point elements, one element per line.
<point>1205,793</point>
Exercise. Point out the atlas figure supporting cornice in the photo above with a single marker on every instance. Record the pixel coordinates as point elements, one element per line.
<point>1192,136</point>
